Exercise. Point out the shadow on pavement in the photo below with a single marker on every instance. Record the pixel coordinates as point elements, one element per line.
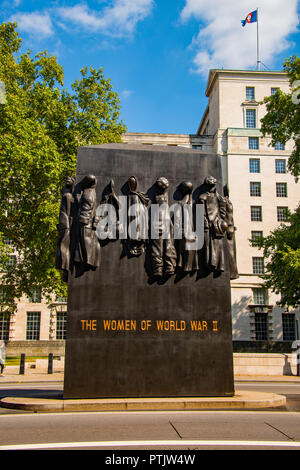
<point>31,393</point>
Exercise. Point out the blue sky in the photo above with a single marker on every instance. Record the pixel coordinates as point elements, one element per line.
<point>157,53</point>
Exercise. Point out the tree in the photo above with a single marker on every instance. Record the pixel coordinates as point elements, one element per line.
<point>281,248</point>
<point>281,251</point>
<point>42,125</point>
<point>282,120</point>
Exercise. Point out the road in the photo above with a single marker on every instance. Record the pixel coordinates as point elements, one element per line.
<point>290,390</point>
<point>264,429</point>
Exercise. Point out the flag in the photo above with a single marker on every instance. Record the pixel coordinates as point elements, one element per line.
<point>251,18</point>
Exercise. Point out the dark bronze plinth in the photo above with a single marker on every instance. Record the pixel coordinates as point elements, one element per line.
<point>131,334</point>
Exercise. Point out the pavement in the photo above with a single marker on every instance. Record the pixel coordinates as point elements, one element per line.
<point>11,375</point>
<point>241,399</point>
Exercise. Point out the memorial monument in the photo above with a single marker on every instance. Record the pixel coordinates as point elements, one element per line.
<point>148,243</point>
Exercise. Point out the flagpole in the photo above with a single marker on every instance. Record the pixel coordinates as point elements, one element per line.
<point>258,61</point>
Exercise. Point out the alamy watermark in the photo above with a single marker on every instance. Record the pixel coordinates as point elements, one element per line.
<point>137,222</point>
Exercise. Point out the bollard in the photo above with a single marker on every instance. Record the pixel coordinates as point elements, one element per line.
<point>22,364</point>
<point>50,363</point>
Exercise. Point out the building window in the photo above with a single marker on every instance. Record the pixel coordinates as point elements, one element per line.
<point>10,263</point>
<point>3,293</point>
<point>256,214</point>
<point>36,296</point>
<point>282,214</point>
<point>254,165</point>
<point>8,241</point>
<point>279,146</point>
<point>250,118</point>
<point>253,143</point>
<point>256,234</point>
<point>274,91</point>
<point>280,166</point>
<point>259,296</point>
<point>261,326</point>
<point>4,326</point>
<point>258,265</point>
<point>255,188</point>
<point>33,325</point>
<point>61,324</point>
<point>281,189</point>
<point>289,326</point>
<point>60,299</point>
<point>250,93</point>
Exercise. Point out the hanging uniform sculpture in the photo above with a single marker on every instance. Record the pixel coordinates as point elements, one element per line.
<point>169,240</point>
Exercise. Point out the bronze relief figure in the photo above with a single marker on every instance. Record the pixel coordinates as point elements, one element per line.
<point>137,220</point>
<point>110,226</point>
<point>64,228</point>
<point>215,225</point>
<point>86,246</point>
<point>186,255</point>
<point>171,244</point>
<point>162,249</point>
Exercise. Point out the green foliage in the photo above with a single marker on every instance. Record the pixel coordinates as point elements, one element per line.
<point>281,250</point>
<point>282,247</point>
<point>282,120</point>
<point>42,126</point>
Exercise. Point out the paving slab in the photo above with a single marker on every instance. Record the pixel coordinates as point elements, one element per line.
<point>11,375</point>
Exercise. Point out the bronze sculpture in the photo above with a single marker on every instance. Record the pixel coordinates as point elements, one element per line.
<point>137,221</point>
<point>215,225</point>
<point>162,249</point>
<point>186,255</point>
<point>64,227</point>
<point>79,247</point>
<point>110,225</point>
<point>86,243</point>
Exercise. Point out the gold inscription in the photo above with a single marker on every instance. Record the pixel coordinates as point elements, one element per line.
<point>170,325</point>
<point>147,325</point>
<point>88,325</point>
<point>198,325</point>
<point>119,325</point>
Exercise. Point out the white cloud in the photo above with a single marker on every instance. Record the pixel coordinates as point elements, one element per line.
<point>118,19</point>
<point>223,42</point>
<point>125,94</point>
<point>34,23</point>
<point>81,15</point>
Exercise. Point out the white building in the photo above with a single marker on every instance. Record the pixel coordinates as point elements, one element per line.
<point>260,190</point>
<point>259,185</point>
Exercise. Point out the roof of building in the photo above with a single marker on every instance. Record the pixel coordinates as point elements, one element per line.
<point>214,72</point>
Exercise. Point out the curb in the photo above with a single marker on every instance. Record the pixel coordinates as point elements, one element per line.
<point>242,400</point>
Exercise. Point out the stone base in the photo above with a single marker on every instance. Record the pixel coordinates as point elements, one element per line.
<point>241,400</point>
